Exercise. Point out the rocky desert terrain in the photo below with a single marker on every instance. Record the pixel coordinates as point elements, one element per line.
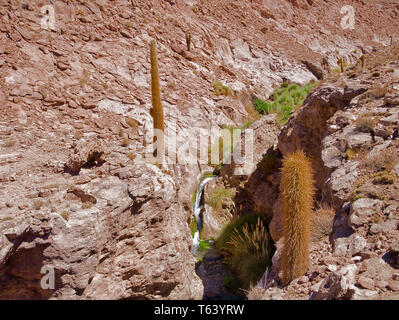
<point>79,195</point>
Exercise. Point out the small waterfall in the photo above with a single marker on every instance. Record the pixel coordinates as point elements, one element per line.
<point>197,211</point>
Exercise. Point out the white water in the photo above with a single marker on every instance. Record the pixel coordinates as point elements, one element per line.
<point>197,210</point>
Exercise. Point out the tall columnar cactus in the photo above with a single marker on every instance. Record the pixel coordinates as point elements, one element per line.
<point>156,111</point>
<point>188,41</point>
<point>297,192</point>
<point>341,63</point>
<point>363,58</point>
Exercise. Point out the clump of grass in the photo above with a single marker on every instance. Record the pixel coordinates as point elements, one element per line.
<point>366,124</point>
<point>356,195</point>
<point>65,215</point>
<point>218,195</point>
<point>284,100</point>
<point>220,89</point>
<point>193,225</point>
<point>382,161</point>
<point>238,224</point>
<point>87,205</point>
<point>255,293</point>
<point>203,246</point>
<point>322,223</point>
<point>132,123</point>
<point>131,155</point>
<point>350,154</point>
<point>250,252</point>
<point>384,177</point>
<point>125,142</point>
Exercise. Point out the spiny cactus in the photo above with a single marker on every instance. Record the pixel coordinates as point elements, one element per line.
<point>156,111</point>
<point>297,192</point>
<point>341,64</point>
<point>188,41</point>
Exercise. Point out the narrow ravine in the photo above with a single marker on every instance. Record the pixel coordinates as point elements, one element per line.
<point>210,267</point>
<point>197,213</point>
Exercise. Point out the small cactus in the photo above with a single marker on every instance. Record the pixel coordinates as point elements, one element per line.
<point>188,41</point>
<point>297,193</point>
<point>156,111</point>
<point>341,64</point>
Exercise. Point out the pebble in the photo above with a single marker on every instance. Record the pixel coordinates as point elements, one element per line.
<point>393,285</point>
<point>366,283</point>
<point>381,284</point>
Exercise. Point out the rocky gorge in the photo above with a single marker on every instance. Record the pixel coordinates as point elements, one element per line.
<point>78,195</point>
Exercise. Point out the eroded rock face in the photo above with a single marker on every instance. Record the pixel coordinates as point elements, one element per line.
<point>133,243</point>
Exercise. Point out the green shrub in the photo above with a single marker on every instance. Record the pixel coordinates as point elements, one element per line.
<point>238,223</point>
<point>203,246</point>
<point>249,250</point>
<point>261,106</point>
<point>217,196</point>
<point>220,89</point>
<point>283,100</point>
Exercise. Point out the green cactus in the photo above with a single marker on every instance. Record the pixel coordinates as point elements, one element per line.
<point>297,192</point>
<point>157,110</point>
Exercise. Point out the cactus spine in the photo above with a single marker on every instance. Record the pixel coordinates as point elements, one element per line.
<point>363,58</point>
<point>297,192</point>
<point>156,111</point>
<point>188,41</point>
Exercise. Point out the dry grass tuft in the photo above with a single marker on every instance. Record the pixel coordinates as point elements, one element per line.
<point>255,293</point>
<point>250,252</point>
<point>322,223</point>
<point>381,161</point>
<point>366,123</point>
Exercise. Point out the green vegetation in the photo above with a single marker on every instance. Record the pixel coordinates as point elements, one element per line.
<point>384,177</point>
<point>217,196</point>
<point>203,246</point>
<point>283,100</point>
<point>238,224</point>
<point>249,249</point>
<point>193,225</point>
<point>220,89</point>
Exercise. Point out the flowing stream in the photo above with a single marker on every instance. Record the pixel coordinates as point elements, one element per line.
<point>197,211</point>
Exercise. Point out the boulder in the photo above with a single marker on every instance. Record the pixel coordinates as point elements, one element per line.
<point>362,209</point>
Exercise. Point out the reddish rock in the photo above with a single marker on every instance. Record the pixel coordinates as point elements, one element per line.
<point>366,283</point>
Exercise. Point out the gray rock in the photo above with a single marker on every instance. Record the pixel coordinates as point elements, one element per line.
<point>338,285</point>
<point>362,209</point>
